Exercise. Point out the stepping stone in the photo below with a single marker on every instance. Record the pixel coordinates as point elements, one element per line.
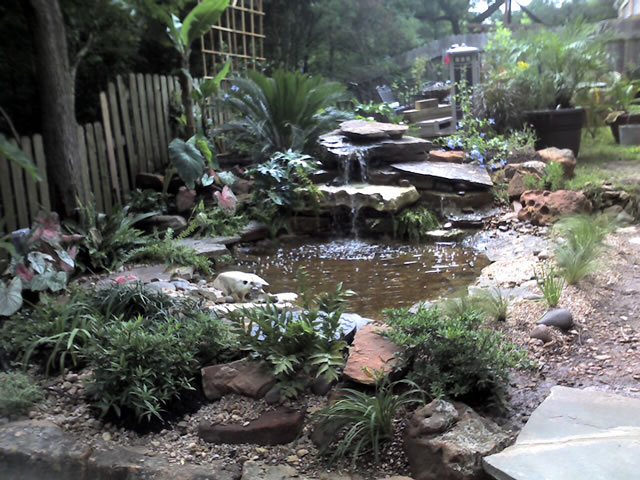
<point>365,130</point>
<point>449,172</point>
<point>383,198</point>
<point>206,247</point>
<point>574,434</point>
<point>372,351</point>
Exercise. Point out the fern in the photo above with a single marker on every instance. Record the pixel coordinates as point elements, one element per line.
<point>414,222</point>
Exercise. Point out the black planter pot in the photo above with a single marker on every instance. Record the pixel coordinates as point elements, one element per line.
<point>624,119</point>
<point>557,128</point>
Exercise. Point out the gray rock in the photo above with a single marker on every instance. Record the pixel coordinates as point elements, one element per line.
<point>320,386</point>
<point>242,377</point>
<point>252,470</point>
<point>574,434</point>
<point>449,172</point>
<point>560,318</point>
<point>273,396</point>
<point>364,130</point>
<point>205,247</point>
<point>383,198</point>
<point>160,286</point>
<point>542,332</point>
<point>164,222</point>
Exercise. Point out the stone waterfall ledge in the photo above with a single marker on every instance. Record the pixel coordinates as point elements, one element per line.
<point>574,434</point>
<point>382,198</point>
<point>449,172</point>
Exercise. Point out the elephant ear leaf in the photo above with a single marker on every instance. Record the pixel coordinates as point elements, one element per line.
<point>199,20</point>
<point>187,160</point>
<point>10,297</point>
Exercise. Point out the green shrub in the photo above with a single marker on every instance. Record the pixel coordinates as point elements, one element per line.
<point>415,222</point>
<point>580,244</point>
<point>361,422</point>
<point>168,250</point>
<point>17,394</point>
<point>296,344</point>
<point>285,112</point>
<point>452,356</point>
<point>550,284</point>
<point>457,306</point>
<point>139,367</point>
<point>493,303</point>
<point>213,222</point>
<point>553,179</point>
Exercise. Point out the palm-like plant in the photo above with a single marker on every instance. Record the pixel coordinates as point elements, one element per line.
<point>285,112</point>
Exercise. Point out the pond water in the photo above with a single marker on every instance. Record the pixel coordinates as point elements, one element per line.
<point>384,275</point>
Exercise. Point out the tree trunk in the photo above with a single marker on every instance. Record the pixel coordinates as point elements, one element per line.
<point>55,89</point>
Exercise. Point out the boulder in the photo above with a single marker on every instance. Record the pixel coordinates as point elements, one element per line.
<point>243,377</point>
<point>446,441</point>
<point>382,198</point>
<point>564,157</point>
<point>559,317</point>
<point>163,222</point>
<point>518,185</point>
<point>541,332</point>
<point>384,176</point>
<point>185,199</point>
<point>530,167</point>
<point>361,130</point>
<point>441,201</point>
<point>370,350</point>
<point>205,247</point>
<point>574,434</point>
<point>448,156</point>
<point>470,173</point>
<point>543,207</point>
<point>271,428</point>
<point>254,231</point>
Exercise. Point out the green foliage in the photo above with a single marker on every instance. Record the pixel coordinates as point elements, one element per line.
<point>492,303</point>
<point>282,183</point>
<point>380,112</point>
<point>285,112</point>
<point>168,250</point>
<point>17,394</point>
<point>10,297</point>
<point>108,239</point>
<point>187,160</point>
<point>552,179</point>
<point>143,201</point>
<point>212,222</point>
<point>580,244</point>
<point>296,344</point>
<point>17,156</point>
<point>550,284</point>
<point>452,356</point>
<point>414,222</point>
<point>622,94</point>
<point>365,422</point>
<point>478,138</point>
<point>457,306</point>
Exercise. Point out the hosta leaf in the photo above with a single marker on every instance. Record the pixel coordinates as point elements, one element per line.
<point>187,160</point>
<point>54,281</point>
<point>10,297</point>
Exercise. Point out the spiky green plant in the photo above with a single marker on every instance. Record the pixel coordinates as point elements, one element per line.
<point>550,284</point>
<point>415,222</point>
<point>456,306</point>
<point>365,422</point>
<point>580,244</point>
<point>492,303</point>
<point>17,393</point>
<point>284,112</point>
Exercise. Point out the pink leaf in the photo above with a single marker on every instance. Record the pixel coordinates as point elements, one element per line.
<point>24,273</point>
<point>226,200</point>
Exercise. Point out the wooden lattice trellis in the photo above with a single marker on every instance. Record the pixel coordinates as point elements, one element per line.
<point>238,36</point>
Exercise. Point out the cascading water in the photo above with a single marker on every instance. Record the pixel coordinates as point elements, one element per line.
<point>356,159</point>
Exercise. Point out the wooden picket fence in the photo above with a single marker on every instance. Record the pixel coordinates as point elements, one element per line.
<point>132,137</point>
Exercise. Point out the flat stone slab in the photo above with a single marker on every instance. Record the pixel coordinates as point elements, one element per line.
<point>447,171</point>
<point>383,198</point>
<point>365,130</point>
<point>39,449</point>
<point>206,247</point>
<point>372,351</point>
<point>574,434</point>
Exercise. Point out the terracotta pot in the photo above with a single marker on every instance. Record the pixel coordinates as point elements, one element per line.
<point>623,119</point>
<point>557,128</point>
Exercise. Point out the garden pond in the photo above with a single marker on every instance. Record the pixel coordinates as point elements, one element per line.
<point>383,274</point>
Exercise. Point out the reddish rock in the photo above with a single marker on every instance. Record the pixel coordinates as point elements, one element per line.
<point>564,157</point>
<point>242,377</point>
<point>542,207</point>
<point>185,199</point>
<point>272,428</point>
<point>446,441</point>
<point>517,185</point>
<point>370,350</point>
<point>450,156</point>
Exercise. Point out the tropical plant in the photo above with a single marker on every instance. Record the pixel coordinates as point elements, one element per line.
<point>107,239</point>
<point>143,201</point>
<point>296,344</point>
<point>580,244</point>
<point>18,393</point>
<point>623,94</point>
<point>212,222</point>
<point>492,303</point>
<point>414,222</point>
<point>361,423</point>
<point>380,112</point>
<point>285,112</point>
<point>550,284</point>
<point>453,356</point>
